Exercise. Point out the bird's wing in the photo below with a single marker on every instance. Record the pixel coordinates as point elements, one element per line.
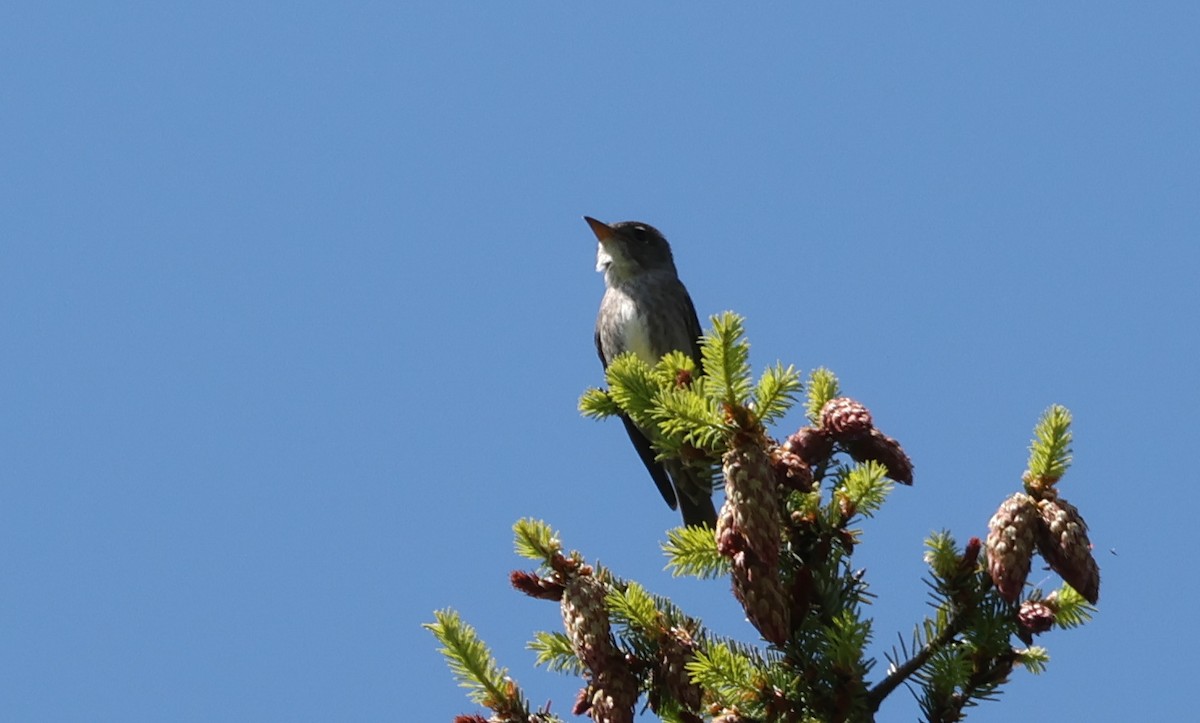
<point>600,348</point>
<point>694,330</point>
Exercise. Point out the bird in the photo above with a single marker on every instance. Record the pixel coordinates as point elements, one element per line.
<point>647,310</point>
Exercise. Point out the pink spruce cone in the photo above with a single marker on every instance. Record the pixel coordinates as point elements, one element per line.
<point>676,649</point>
<point>613,691</point>
<point>750,519</point>
<point>846,418</point>
<point>1037,616</point>
<point>612,696</point>
<point>811,444</point>
<point>791,471</point>
<point>760,591</point>
<point>1062,539</point>
<point>586,621</point>
<point>1010,542</point>
<point>877,446</point>
<point>748,532</point>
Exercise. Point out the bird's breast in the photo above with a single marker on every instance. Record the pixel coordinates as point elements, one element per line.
<point>624,327</point>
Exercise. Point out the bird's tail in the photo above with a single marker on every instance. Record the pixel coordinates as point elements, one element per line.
<point>694,492</point>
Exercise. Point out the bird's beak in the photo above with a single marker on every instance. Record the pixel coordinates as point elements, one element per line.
<point>602,230</point>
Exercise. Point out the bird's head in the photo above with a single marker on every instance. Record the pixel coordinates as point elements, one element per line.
<point>630,248</point>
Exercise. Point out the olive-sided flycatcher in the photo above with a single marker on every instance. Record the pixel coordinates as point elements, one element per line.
<point>647,310</point>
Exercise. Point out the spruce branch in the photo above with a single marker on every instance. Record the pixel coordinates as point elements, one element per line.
<point>1071,609</point>
<point>632,608</point>
<point>982,684</point>
<point>955,587</point>
<point>687,416</point>
<point>1050,450</point>
<point>848,636</point>
<point>676,369</point>
<point>672,615</point>
<point>598,404</point>
<point>475,668</point>
<point>900,673</point>
<point>726,355</point>
<point>866,488</point>
<point>632,385</point>
<point>1034,659</point>
<point>536,541</point>
<point>728,676</point>
<point>776,392</point>
<point>554,653</point>
<point>822,386</point>
<point>941,554</point>
<point>692,551</point>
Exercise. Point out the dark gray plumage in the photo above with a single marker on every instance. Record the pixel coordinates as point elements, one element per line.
<point>647,310</point>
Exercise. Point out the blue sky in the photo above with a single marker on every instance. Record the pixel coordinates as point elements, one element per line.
<point>298,303</point>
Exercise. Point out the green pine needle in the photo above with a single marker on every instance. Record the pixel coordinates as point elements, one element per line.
<point>776,392</point>
<point>726,675</point>
<point>632,386</point>
<point>867,487</point>
<point>1034,659</point>
<point>1072,610</point>
<point>726,355</point>
<point>848,637</point>
<point>822,386</point>
<point>554,652</point>
<point>807,504</point>
<point>946,671</point>
<point>633,608</point>
<point>535,540</point>
<point>598,404</point>
<point>1050,450</point>
<point>470,661</point>
<point>686,416</point>
<point>941,555</point>
<point>672,365</point>
<point>692,551</point>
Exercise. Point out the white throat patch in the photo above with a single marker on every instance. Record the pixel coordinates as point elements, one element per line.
<point>603,258</point>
